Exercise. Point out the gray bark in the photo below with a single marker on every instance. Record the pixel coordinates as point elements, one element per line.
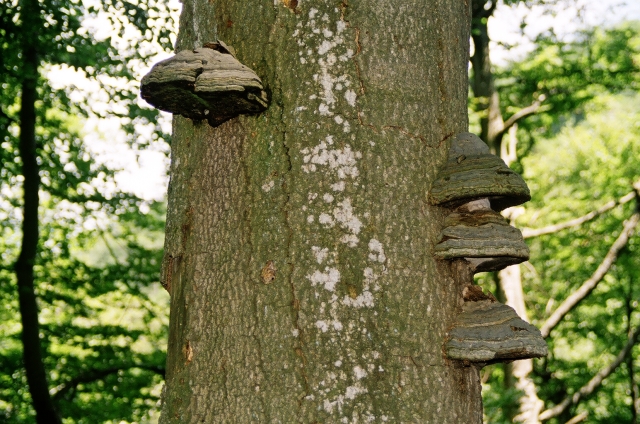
<point>299,242</point>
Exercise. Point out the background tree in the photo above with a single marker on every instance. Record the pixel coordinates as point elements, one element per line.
<point>328,189</point>
<point>79,347</point>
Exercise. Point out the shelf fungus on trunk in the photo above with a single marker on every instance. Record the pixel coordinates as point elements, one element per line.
<point>487,332</point>
<point>205,83</point>
<point>481,236</point>
<point>472,172</point>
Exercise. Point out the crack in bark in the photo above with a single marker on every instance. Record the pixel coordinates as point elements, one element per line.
<point>362,91</point>
<point>295,303</point>
<point>260,356</point>
<point>355,61</point>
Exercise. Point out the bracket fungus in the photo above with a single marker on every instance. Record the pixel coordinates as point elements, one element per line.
<point>483,237</point>
<point>472,172</point>
<point>205,83</point>
<point>477,185</point>
<point>487,331</point>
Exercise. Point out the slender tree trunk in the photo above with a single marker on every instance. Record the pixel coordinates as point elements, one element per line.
<point>488,105</point>
<point>32,353</point>
<point>518,372</point>
<point>298,243</point>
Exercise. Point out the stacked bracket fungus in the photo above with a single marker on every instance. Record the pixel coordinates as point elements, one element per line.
<point>476,185</point>
<point>205,83</point>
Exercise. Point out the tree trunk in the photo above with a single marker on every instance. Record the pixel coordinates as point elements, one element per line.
<point>30,336</point>
<point>299,242</point>
<point>488,105</point>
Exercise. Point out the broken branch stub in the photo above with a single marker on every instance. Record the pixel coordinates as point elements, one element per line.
<point>487,332</point>
<point>472,172</point>
<point>482,237</point>
<point>206,83</point>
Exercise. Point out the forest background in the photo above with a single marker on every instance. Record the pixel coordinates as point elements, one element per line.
<point>80,254</point>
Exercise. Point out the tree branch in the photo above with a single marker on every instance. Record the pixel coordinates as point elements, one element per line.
<point>578,418</point>
<point>595,382</point>
<point>93,375</point>
<point>586,287</point>
<point>532,109</point>
<point>531,232</point>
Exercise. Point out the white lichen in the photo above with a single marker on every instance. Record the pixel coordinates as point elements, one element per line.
<point>377,251</point>
<point>266,187</point>
<point>322,326</point>
<point>326,219</point>
<point>320,253</point>
<point>339,186</point>
<point>327,279</point>
<point>353,391</point>
<point>350,96</point>
<point>364,299</point>
<point>359,373</point>
<point>343,213</point>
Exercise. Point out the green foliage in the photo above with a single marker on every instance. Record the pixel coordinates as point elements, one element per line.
<point>587,164</point>
<point>499,401</point>
<point>564,75</point>
<point>103,314</point>
<point>580,151</point>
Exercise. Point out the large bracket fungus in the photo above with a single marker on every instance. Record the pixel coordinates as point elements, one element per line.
<point>205,83</point>
<point>487,331</point>
<point>472,172</point>
<point>476,185</point>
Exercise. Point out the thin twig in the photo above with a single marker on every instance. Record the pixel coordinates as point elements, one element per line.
<point>578,418</point>
<point>531,232</point>
<point>99,374</point>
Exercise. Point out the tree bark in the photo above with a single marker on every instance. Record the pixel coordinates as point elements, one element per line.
<point>299,242</point>
<point>32,351</point>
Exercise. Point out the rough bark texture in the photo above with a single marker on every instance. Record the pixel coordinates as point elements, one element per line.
<point>299,243</point>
